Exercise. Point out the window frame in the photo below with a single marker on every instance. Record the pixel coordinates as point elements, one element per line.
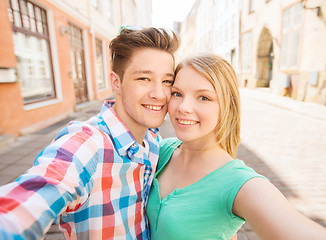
<point>288,33</point>
<point>100,42</point>
<point>251,6</point>
<point>96,4</point>
<point>28,31</point>
<point>109,9</point>
<point>247,44</point>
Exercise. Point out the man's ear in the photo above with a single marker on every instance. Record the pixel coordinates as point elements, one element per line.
<point>115,82</point>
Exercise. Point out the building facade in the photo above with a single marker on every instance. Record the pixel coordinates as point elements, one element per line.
<point>276,44</point>
<point>283,47</point>
<point>54,56</point>
<point>212,26</point>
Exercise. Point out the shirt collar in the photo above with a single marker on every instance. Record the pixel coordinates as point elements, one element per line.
<point>123,139</point>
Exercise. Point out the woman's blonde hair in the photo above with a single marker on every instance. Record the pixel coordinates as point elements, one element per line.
<point>222,76</point>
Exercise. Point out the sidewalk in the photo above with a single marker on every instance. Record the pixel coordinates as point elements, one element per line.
<point>264,95</point>
<point>283,140</point>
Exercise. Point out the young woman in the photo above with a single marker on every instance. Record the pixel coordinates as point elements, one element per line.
<point>200,191</point>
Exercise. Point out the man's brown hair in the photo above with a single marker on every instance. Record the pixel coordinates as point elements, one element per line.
<point>123,46</point>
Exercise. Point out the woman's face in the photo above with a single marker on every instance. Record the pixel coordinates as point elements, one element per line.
<point>193,107</point>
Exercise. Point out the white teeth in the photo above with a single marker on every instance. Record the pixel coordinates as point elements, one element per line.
<point>152,107</point>
<point>187,122</point>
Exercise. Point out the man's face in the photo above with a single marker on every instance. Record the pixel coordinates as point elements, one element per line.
<point>145,89</point>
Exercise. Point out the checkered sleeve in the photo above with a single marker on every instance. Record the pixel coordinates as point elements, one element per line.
<point>61,179</point>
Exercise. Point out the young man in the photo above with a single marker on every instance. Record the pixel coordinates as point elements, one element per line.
<point>95,177</point>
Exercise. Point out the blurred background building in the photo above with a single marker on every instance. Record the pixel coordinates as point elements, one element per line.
<point>283,47</point>
<point>276,44</point>
<point>212,26</point>
<point>54,56</point>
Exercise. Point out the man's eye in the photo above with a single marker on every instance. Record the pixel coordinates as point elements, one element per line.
<point>203,98</point>
<point>169,82</point>
<point>176,94</point>
<point>143,79</point>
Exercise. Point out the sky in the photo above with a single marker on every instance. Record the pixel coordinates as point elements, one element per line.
<point>165,12</point>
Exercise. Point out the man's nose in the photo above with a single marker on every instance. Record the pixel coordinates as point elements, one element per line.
<point>158,91</point>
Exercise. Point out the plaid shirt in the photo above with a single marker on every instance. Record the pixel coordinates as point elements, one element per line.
<point>93,178</point>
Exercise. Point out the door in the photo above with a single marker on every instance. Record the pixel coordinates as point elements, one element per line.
<point>78,63</point>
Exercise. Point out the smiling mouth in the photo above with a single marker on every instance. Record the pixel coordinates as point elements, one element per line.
<point>153,107</point>
<point>186,122</point>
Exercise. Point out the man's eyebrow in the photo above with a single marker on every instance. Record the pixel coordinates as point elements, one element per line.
<point>150,72</point>
<point>142,71</point>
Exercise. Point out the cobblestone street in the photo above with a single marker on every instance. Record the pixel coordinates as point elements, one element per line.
<point>289,148</point>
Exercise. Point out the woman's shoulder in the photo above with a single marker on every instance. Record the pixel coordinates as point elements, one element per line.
<point>169,141</point>
<point>239,169</point>
<point>235,174</point>
<point>167,147</point>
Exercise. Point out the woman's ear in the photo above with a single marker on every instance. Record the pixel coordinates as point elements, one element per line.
<point>115,82</point>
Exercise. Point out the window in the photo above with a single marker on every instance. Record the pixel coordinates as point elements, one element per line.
<point>252,6</point>
<point>32,49</point>
<point>246,58</point>
<point>234,29</point>
<point>221,34</point>
<point>95,3</point>
<point>109,9</point>
<point>99,65</point>
<point>226,28</point>
<point>292,19</point>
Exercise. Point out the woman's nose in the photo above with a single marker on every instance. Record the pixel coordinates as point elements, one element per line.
<point>185,106</point>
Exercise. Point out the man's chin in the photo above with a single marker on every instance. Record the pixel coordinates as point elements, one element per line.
<point>156,124</point>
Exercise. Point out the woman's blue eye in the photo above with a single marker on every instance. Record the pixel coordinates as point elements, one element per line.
<point>203,98</point>
<point>175,94</point>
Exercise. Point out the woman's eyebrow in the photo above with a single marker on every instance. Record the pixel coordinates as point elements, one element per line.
<point>170,75</point>
<point>175,87</point>
<point>197,90</point>
<point>205,90</point>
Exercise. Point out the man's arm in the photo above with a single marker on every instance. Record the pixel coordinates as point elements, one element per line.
<point>60,180</point>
